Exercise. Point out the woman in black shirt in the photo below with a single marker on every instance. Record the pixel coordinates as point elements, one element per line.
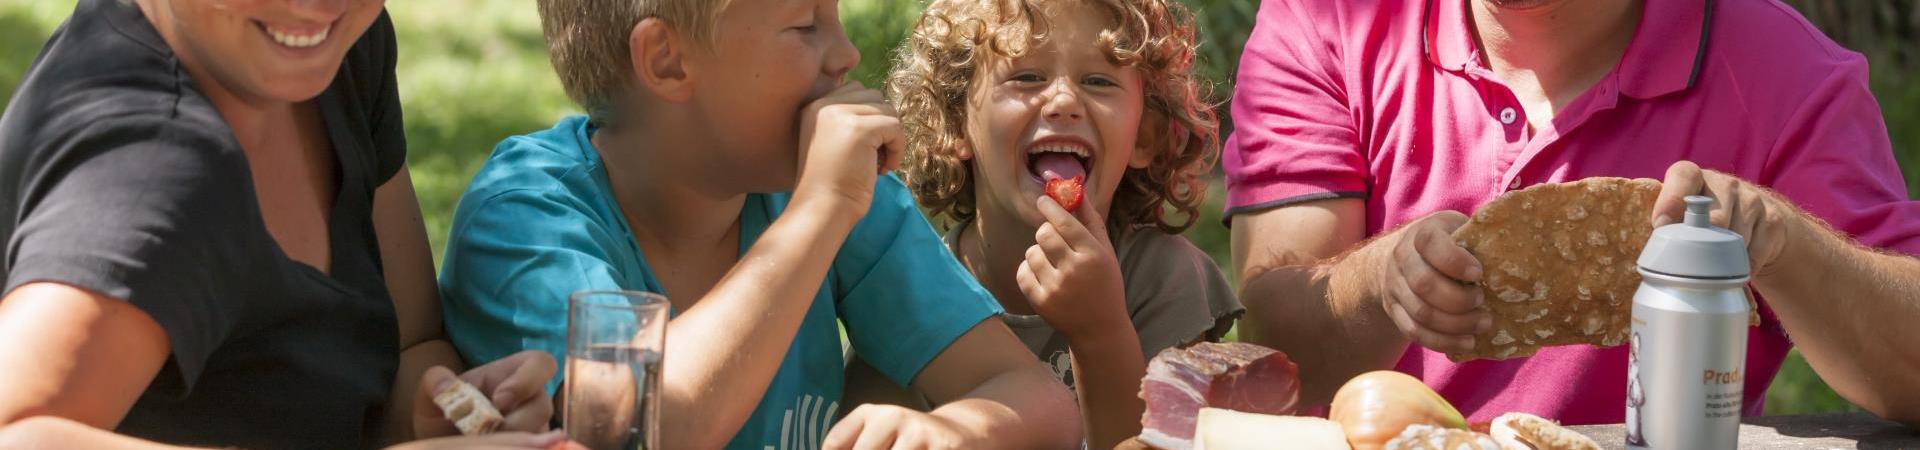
<point>211,238</point>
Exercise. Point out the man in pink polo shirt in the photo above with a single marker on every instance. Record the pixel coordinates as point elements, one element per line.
<point>1365,129</point>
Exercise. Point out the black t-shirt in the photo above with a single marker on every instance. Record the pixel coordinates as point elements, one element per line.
<point>117,175</point>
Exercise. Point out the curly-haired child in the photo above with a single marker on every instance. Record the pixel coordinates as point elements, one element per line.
<point>1063,142</point>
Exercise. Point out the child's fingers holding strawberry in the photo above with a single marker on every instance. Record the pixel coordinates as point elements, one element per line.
<point>1083,230</point>
<point>1071,276</point>
<point>1052,245</point>
<point>1037,277</point>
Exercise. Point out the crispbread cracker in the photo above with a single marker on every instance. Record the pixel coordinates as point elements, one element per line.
<point>1558,264</point>
<point>1522,431</point>
<point>1421,436</point>
<point>469,409</point>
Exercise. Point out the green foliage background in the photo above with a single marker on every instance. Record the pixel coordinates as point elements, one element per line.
<point>474,72</point>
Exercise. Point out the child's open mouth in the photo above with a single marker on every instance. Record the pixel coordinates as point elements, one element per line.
<point>1058,159</point>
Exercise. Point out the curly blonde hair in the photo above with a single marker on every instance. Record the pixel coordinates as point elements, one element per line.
<point>936,68</point>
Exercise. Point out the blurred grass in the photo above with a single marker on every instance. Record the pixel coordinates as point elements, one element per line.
<point>474,76</point>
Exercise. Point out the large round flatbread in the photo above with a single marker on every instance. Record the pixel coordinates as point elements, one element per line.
<point>1559,264</point>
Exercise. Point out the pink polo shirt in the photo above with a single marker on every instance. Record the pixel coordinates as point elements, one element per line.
<point>1388,101</point>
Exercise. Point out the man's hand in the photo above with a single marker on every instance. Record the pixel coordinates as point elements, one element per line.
<point>875,426</point>
<point>1754,212</point>
<point>1420,275</point>
<point>516,385</point>
<point>847,139</point>
<point>1071,275</point>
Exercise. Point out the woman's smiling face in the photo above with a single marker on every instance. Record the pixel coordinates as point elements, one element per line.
<point>264,50</point>
<point>1059,110</point>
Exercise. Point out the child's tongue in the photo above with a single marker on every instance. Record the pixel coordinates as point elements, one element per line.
<point>1062,166</point>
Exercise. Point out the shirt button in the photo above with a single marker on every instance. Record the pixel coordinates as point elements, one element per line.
<point>1507,115</point>
<point>1514,185</point>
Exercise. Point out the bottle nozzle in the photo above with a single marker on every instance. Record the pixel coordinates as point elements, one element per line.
<point>1698,207</point>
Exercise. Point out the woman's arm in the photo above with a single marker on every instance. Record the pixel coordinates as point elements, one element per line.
<point>75,362</point>
<point>515,383</point>
<point>407,263</point>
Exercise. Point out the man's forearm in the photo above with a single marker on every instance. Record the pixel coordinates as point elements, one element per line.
<point>1332,332</point>
<point>728,346</point>
<point>1107,372</point>
<point>1851,311</point>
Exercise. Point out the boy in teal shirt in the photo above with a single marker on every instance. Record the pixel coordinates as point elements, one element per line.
<point>701,114</point>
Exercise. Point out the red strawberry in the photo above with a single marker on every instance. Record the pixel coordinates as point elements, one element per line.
<point>1068,192</point>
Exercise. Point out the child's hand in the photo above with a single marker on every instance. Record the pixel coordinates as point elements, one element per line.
<point>847,139</point>
<point>889,426</point>
<point>1071,276</point>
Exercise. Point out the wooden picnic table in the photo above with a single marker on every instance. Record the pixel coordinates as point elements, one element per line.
<point>1816,431</point>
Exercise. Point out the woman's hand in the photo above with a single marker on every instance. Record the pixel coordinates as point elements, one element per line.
<point>516,385</point>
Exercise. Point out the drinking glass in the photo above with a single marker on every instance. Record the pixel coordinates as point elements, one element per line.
<point>612,385</point>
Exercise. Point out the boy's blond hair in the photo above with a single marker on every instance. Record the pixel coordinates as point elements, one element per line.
<point>934,72</point>
<point>587,42</point>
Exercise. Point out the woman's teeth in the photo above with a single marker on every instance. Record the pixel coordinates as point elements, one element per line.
<point>297,41</point>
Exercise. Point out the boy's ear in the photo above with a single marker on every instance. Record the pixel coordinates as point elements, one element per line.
<point>659,58</point>
<point>1154,132</point>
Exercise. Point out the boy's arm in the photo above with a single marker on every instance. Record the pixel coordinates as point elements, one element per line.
<point>989,397</point>
<point>728,346</point>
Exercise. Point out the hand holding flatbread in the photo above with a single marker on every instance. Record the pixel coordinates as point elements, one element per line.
<point>1559,262</point>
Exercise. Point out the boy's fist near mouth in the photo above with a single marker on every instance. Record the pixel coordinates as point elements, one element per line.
<point>847,139</point>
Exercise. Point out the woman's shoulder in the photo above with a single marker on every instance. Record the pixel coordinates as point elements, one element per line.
<point>105,74</point>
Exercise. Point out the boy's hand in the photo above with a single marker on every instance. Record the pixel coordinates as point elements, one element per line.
<point>876,426</point>
<point>1071,275</point>
<point>847,138</point>
<point>517,385</point>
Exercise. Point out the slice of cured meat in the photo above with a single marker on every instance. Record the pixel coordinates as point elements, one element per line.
<point>1237,376</point>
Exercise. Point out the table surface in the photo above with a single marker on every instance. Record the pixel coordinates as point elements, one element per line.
<point>1818,431</point>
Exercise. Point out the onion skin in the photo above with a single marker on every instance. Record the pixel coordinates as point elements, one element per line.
<point>1376,406</point>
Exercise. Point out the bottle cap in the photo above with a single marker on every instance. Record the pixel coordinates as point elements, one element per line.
<point>1694,248</point>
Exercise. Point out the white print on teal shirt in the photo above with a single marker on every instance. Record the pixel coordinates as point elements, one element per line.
<point>804,431</point>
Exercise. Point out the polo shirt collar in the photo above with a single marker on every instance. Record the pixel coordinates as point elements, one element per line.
<point>1665,56</point>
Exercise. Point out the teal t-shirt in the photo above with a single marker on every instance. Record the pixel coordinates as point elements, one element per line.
<point>539,222</point>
